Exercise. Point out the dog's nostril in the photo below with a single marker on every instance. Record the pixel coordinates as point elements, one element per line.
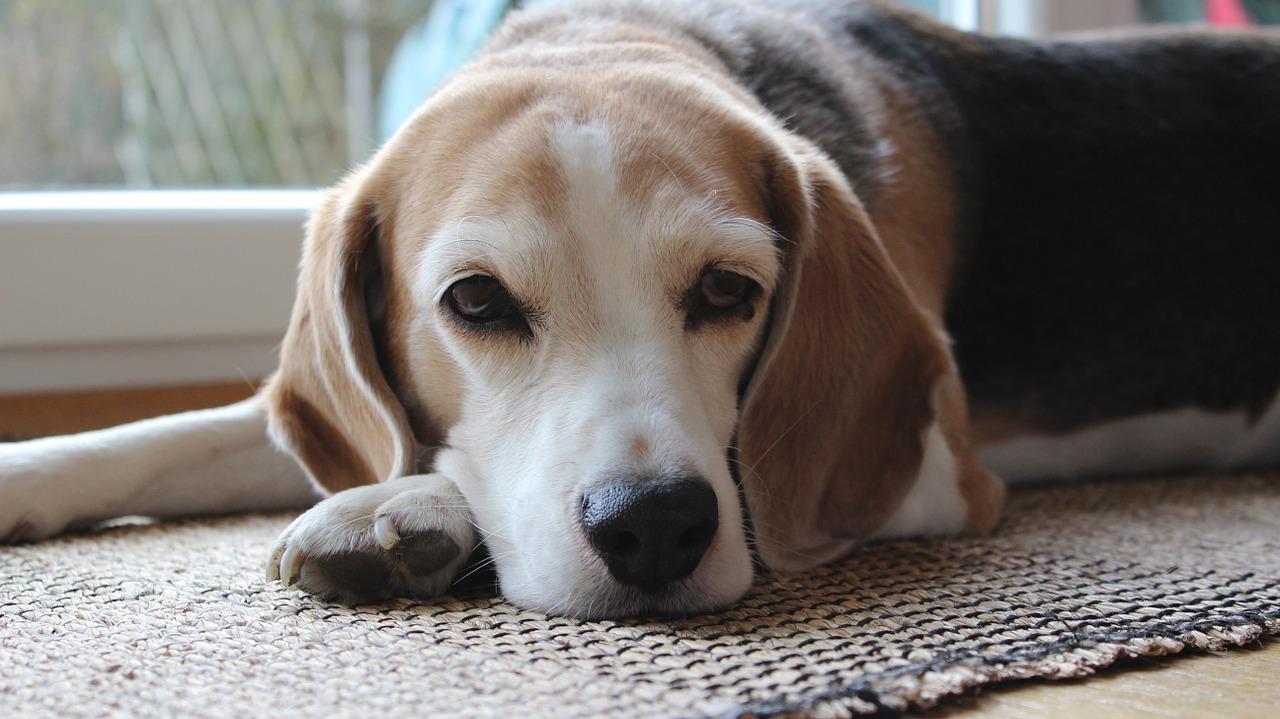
<point>651,533</point>
<point>699,536</point>
<point>616,542</point>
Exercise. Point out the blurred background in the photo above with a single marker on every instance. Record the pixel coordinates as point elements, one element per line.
<point>288,93</point>
<point>169,93</point>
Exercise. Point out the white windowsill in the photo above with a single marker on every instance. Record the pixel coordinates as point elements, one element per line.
<point>103,289</point>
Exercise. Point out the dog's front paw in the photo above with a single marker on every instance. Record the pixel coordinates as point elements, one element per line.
<point>38,497</point>
<point>403,538</point>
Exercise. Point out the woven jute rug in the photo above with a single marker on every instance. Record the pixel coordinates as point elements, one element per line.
<point>176,620</point>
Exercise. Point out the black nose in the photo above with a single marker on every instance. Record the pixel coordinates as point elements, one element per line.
<point>651,532</point>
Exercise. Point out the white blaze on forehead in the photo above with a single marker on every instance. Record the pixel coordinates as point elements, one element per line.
<point>604,230</point>
<point>586,158</point>
<point>627,242</point>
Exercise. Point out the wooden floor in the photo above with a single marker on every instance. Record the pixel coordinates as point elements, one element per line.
<point>1240,684</point>
<point>40,415</point>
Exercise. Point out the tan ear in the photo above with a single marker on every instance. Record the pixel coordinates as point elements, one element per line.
<point>330,402</point>
<point>852,376</point>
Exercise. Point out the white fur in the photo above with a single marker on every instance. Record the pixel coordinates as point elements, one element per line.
<point>211,461</point>
<point>934,506</point>
<point>1183,440</point>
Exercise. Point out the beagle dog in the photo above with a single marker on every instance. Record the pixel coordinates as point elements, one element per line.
<point>652,291</point>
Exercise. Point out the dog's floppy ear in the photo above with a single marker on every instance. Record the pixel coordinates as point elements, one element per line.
<point>330,402</point>
<point>849,382</point>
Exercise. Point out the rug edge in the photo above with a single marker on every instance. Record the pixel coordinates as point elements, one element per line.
<point>916,687</point>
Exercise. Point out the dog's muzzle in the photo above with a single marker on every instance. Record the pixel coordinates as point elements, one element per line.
<point>651,532</point>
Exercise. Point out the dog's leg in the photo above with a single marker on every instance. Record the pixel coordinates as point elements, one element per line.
<point>213,461</point>
<point>404,538</point>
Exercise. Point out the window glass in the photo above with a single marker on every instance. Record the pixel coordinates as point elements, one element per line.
<point>190,93</point>
<point>1217,12</point>
<point>220,93</point>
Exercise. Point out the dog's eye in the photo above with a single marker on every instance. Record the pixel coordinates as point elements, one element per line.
<point>482,300</point>
<point>721,294</point>
<point>724,289</point>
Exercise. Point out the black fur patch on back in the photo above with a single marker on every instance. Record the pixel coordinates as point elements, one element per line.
<point>1125,204</point>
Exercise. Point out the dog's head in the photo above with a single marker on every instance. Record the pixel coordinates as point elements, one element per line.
<point>607,299</point>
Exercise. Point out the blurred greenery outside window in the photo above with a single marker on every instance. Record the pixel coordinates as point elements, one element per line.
<point>100,94</point>
<point>201,94</point>
<point>103,94</point>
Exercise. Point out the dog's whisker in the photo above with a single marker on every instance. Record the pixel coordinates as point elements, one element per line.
<point>487,534</point>
<point>770,233</point>
<point>787,431</point>
<point>488,561</point>
<point>674,176</point>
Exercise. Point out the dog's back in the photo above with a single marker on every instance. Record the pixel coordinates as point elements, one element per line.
<point>1126,249</point>
<point>1120,245</point>
<point>1117,227</point>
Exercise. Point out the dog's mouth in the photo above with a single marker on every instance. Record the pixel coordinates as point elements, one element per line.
<point>646,542</point>
<point>671,601</point>
<point>480,579</point>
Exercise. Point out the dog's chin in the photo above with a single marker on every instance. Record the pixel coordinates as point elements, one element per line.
<point>592,594</point>
<point>618,601</point>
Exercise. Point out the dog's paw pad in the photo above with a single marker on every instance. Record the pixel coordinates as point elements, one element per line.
<point>427,552</point>
<point>358,574</point>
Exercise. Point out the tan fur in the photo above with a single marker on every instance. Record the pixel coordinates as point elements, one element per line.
<point>915,210</point>
<point>983,492</point>
<point>855,366</point>
<point>343,433</point>
<point>831,427</point>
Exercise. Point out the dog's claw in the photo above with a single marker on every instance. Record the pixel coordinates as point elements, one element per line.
<point>385,532</point>
<point>290,566</point>
<point>273,567</point>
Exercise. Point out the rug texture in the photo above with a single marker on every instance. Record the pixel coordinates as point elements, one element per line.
<point>176,620</point>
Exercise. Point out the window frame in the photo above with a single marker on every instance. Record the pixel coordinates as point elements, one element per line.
<point>136,287</point>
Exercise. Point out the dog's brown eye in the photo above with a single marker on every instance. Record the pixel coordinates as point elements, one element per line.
<point>721,295</point>
<point>479,298</point>
<point>482,300</point>
<point>724,289</point>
